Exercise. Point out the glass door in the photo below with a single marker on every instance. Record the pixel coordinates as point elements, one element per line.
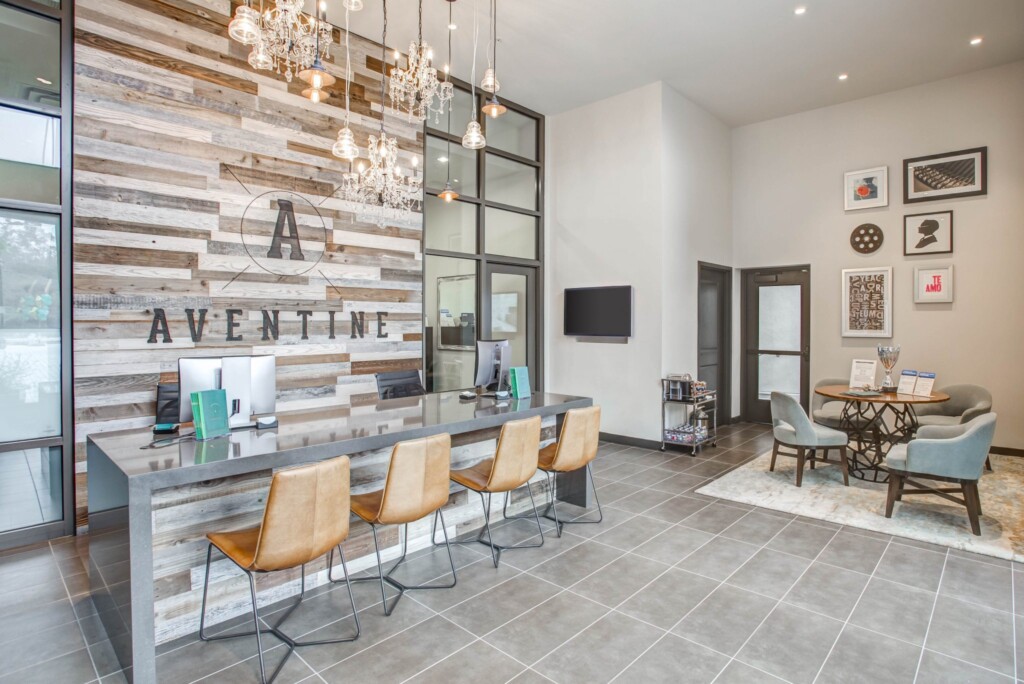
<point>510,312</point>
<point>776,334</point>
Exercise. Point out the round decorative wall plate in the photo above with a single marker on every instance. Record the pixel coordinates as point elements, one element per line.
<point>866,238</point>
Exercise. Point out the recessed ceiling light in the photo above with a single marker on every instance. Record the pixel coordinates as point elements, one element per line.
<point>800,10</point>
<point>44,81</point>
<point>976,40</point>
<point>443,160</point>
<point>843,77</point>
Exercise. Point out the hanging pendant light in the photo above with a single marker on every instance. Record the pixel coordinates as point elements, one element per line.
<point>315,74</point>
<point>474,137</point>
<point>352,5</point>
<point>245,27</point>
<point>345,146</point>
<point>493,108</point>
<point>448,194</point>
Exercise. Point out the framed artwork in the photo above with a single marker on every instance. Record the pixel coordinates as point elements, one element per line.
<point>505,312</point>
<point>867,302</point>
<point>928,233</point>
<point>933,285</point>
<point>942,176</point>
<point>866,189</point>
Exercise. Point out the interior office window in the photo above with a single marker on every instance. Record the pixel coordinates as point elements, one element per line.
<point>511,183</point>
<point>513,132</point>
<point>451,322</point>
<point>462,162</point>
<point>29,325</point>
<point>29,57</point>
<point>510,234</point>
<point>451,226</point>
<point>29,156</point>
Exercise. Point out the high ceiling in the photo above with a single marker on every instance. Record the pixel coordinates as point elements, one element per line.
<point>743,60</point>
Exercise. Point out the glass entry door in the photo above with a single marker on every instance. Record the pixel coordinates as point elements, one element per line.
<point>510,312</point>
<point>776,338</point>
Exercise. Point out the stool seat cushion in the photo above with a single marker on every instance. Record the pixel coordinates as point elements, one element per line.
<point>938,419</point>
<point>823,436</point>
<point>476,476</point>
<point>367,506</point>
<point>546,457</point>
<point>896,458</point>
<point>239,546</point>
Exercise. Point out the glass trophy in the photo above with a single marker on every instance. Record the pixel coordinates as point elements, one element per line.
<point>888,356</point>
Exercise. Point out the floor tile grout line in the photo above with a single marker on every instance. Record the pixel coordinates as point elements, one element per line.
<point>701,602</point>
<point>776,607</point>
<point>849,615</point>
<point>496,648</point>
<point>931,616</point>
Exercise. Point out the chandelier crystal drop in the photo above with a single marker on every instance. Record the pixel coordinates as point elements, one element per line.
<point>284,38</point>
<point>416,87</point>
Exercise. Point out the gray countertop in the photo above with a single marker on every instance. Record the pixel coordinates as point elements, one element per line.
<point>310,435</point>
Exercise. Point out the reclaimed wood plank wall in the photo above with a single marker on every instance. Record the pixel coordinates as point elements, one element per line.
<point>175,137</point>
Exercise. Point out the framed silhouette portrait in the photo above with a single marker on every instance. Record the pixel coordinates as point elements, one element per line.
<point>928,233</point>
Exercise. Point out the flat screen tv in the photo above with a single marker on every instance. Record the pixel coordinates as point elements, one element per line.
<point>599,311</point>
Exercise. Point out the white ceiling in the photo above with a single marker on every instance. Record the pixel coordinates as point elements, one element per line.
<point>743,60</point>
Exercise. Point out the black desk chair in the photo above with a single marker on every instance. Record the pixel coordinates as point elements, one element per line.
<point>399,384</point>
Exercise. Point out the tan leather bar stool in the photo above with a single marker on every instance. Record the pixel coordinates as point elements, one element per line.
<point>416,486</point>
<point>576,448</point>
<point>300,523</point>
<point>513,464</point>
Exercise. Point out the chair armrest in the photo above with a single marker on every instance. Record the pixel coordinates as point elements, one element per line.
<point>975,411</point>
<point>940,431</point>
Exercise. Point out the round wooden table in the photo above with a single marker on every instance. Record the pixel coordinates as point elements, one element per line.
<point>871,436</point>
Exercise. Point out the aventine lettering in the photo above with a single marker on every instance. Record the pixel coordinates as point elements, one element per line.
<point>271,324</point>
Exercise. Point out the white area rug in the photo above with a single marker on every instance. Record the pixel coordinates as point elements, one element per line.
<point>927,518</point>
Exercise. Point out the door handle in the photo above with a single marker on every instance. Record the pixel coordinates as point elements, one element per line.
<point>806,353</point>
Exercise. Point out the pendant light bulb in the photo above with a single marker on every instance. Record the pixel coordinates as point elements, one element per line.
<point>315,95</point>
<point>493,108</point>
<point>474,138</point>
<point>345,146</point>
<point>245,26</point>
<point>448,194</point>
<point>490,82</point>
<point>316,76</point>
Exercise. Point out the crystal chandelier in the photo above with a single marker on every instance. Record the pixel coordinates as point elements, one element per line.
<point>381,184</point>
<point>416,87</point>
<point>284,38</point>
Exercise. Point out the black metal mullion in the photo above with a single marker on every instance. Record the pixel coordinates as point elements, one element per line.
<point>38,8</point>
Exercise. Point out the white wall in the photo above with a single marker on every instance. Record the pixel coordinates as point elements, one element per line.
<point>788,209</point>
<point>638,192</point>
<point>604,228</point>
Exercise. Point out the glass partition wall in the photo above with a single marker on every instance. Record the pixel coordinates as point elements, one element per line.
<point>36,423</point>
<point>483,265</point>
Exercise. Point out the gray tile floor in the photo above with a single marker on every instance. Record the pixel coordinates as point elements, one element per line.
<point>672,587</point>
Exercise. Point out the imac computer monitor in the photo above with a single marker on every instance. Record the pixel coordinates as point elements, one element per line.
<point>492,364</point>
<point>249,382</point>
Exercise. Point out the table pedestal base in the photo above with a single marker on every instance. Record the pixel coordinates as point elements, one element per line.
<point>871,436</point>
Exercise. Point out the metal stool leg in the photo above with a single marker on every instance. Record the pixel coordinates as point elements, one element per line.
<point>485,531</point>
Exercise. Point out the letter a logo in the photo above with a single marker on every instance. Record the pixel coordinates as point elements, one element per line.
<point>285,212</point>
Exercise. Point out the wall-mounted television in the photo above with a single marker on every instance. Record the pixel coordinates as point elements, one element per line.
<point>599,311</point>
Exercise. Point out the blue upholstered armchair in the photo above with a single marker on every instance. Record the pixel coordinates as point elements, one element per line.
<point>792,428</point>
<point>966,402</point>
<point>952,453</point>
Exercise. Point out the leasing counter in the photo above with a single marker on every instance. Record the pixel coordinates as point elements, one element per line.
<point>150,508</point>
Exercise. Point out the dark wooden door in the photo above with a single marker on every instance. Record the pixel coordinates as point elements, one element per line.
<point>714,340</point>
<point>776,333</point>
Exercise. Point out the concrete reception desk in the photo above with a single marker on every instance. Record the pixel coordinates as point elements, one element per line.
<point>150,508</point>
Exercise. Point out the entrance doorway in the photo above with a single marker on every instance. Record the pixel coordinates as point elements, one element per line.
<point>714,333</point>
<point>776,332</point>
